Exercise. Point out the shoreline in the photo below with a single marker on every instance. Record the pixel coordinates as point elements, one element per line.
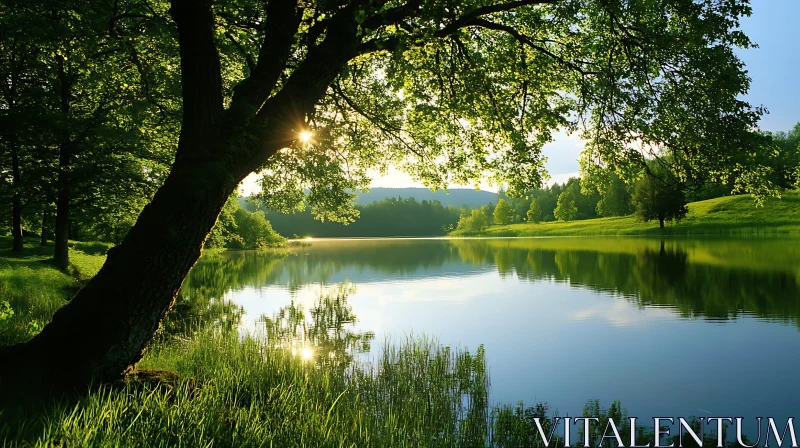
<point>725,216</point>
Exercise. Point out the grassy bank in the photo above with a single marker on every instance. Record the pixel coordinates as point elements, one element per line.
<point>731,215</point>
<point>215,389</point>
<point>32,289</point>
<point>229,392</point>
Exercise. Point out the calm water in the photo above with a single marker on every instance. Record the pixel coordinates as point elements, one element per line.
<point>675,328</point>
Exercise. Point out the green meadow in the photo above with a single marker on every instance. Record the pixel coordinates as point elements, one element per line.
<point>728,215</point>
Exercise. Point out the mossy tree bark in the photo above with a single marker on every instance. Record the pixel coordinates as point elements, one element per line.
<point>102,332</point>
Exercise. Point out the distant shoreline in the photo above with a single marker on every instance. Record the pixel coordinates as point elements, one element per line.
<point>730,215</point>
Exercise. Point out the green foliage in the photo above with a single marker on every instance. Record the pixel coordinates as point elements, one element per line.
<point>239,228</point>
<point>534,212</point>
<point>785,157</point>
<point>730,215</point>
<point>660,199</point>
<point>255,231</point>
<point>5,310</point>
<point>387,217</point>
<point>475,221</point>
<point>503,213</point>
<point>449,100</point>
<point>565,208</point>
<point>488,213</point>
<point>547,200</point>
<point>224,232</point>
<point>443,99</point>
<point>615,199</point>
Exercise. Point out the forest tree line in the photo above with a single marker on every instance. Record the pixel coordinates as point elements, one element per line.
<point>658,194</point>
<point>104,201</point>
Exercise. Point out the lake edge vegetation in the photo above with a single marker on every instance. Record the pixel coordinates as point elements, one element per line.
<point>216,388</point>
<point>728,215</point>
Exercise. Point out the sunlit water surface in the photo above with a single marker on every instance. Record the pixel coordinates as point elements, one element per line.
<point>671,328</point>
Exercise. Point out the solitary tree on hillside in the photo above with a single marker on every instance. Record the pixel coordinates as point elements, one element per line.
<point>659,198</point>
<point>314,93</point>
<point>502,213</point>
<point>534,213</point>
<point>565,208</point>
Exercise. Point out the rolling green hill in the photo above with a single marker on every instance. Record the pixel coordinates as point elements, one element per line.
<point>730,215</point>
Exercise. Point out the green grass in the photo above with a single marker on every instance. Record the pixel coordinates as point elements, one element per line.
<point>233,392</point>
<point>730,215</point>
<point>32,289</point>
<point>216,389</point>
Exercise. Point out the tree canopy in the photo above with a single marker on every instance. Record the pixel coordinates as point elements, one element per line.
<point>453,91</point>
<point>565,208</point>
<point>503,213</point>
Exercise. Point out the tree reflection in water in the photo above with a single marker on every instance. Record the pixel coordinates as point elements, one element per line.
<point>324,335</point>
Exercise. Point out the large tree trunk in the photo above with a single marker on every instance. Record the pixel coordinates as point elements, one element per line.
<point>105,327</point>
<point>16,206</point>
<point>103,330</point>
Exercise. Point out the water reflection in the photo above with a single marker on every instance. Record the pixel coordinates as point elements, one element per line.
<point>326,335</point>
<point>711,280</point>
<point>562,319</point>
<point>718,279</point>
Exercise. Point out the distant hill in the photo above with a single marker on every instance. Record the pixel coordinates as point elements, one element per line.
<point>457,196</point>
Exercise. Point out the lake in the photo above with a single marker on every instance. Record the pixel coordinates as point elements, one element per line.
<point>675,327</point>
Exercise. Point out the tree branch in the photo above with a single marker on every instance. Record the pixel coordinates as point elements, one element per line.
<point>286,111</point>
<point>523,39</point>
<point>283,20</point>
<point>251,64</point>
<point>391,16</point>
<point>201,78</point>
<point>470,17</point>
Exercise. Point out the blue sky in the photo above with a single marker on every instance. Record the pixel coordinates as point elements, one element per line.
<point>774,68</point>
<point>775,65</point>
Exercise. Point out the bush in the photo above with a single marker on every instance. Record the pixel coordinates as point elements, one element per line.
<point>474,222</point>
<point>255,231</point>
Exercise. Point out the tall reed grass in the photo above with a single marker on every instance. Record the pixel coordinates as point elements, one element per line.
<point>240,392</point>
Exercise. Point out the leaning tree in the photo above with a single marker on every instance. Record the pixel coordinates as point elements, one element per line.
<point>313,94</point>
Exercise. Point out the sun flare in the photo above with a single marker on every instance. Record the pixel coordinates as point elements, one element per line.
<point>306,353</point>
<point>305,136</point>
